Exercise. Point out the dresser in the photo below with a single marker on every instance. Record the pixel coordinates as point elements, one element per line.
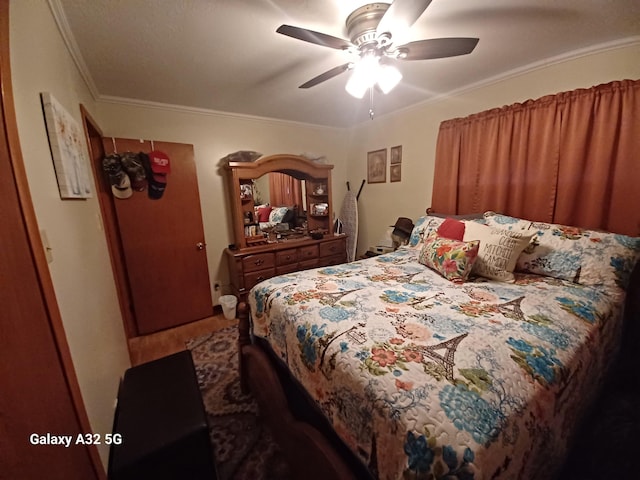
<point>248,267</point>
<point>263,250</point>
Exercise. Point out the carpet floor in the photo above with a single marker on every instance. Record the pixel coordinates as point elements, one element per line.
<point>243,447</point>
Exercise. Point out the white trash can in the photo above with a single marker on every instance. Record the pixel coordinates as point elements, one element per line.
<point>228,303</point>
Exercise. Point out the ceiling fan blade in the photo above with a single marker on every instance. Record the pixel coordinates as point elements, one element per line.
<point>314,37</point>
<point>326,76</point>
<point>400,15</point>
<point>437,48</point>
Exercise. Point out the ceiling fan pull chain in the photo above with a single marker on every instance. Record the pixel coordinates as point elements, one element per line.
<point>371,102</point>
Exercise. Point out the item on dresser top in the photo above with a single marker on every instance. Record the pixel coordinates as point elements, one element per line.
<point>240,156</point>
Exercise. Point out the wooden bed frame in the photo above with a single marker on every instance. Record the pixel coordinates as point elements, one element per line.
<point>313,450</point>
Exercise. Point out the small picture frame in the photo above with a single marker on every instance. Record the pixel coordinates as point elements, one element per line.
<point>246,191</point>
<point>395,172</point>
<point>319,209</point>
<point>396,155</point>
<point>377,166</point>
<point>320,189</point>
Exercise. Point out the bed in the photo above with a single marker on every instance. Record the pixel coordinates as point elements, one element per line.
<point>425,368</point>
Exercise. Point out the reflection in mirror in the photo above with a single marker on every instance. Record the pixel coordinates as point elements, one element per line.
<point>284,190</point>
<point>280,201</point>
<point>261,190</point>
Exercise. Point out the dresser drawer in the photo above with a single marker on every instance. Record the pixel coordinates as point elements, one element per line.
<point>307,253</point>
<point>307,264</point>
<point>333,247</point>
<point>253,278</point>
<point>287,257</point>
<point>292,267</point>
<point>259,261</point>
<point>333,259</point>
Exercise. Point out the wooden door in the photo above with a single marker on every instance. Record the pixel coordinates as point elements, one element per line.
<point>36,375</point>
<point>163,243</point>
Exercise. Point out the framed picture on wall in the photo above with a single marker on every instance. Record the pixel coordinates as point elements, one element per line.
<point>68,149</point>
<point>395,172</point>
<point>377,166</point>
<point>396,155</point>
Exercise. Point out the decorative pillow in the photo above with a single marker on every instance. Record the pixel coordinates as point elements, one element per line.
<point>499,250</point>
<point>452,229</point>
<point>428,224</point>
<point>423,227</point>
<point>453,259</point>
<point>587,257</point>
<point>264,213</point>
<point>277,214</point>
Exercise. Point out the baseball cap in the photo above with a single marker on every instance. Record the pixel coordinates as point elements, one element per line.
<point>157,183</point>
<point>119,180</point>
<point>132,164</point>
<point>160,163</point>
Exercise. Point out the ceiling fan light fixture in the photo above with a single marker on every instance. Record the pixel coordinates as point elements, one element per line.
<point>379,33</point>
<point>388,77</point>
<point>365,74</point>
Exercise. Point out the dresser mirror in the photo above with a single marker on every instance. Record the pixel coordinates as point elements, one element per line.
<point>276,190</point>
<point>279,198</point>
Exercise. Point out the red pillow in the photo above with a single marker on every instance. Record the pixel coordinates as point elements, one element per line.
<point>263,214</point>
<point>452,229</point>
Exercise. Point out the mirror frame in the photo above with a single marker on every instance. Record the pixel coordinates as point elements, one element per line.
<point>294,165</point>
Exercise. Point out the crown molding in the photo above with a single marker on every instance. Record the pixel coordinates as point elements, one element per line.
<point>517,72</point>
<point>134,102</point>
<point>72,46</point>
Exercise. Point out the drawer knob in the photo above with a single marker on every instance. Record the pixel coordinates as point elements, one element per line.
<point>259,262</point>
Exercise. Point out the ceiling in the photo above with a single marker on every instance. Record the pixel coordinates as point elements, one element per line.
<point>224,55</point>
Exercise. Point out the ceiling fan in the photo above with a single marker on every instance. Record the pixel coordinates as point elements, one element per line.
<point>376,31</point>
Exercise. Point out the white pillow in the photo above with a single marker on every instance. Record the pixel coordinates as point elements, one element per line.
<point>499,250</point>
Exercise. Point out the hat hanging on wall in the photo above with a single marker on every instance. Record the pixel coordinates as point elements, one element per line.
<point>160,163</point>
<point>119,180</point>
<point>160,167</point>
<point>157,181</point>
<point>132,164</point>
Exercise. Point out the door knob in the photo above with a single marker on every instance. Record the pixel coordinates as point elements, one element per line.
<point>200,245</point>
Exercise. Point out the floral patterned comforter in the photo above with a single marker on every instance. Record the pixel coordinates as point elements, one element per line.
<point>426,379</point>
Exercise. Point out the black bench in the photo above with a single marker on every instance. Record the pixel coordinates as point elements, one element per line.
<point>162,423</point>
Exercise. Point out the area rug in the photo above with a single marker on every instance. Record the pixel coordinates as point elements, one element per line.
<point>243,447</point>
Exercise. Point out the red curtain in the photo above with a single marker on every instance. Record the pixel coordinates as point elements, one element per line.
<point>284,190</point>
<point>571,158</point>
